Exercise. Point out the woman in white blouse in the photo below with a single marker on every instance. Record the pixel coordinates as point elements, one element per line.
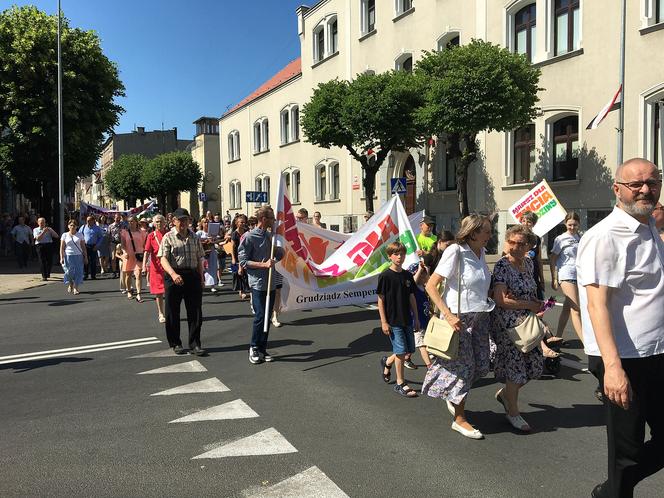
<point>562,261</point>
<point>451,380</point>
<point>73,256</point>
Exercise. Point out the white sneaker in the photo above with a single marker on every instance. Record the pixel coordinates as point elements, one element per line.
<point>213,290</point>
<point>275,321</point>
<point>474,434</point>
<point>162,318</point>
<point>254,356</point>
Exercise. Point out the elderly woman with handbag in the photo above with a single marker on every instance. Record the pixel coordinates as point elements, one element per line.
<point>518,357</point>
<point>465,307</point>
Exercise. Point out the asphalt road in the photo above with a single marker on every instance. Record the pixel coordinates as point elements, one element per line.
<point>87,425</point>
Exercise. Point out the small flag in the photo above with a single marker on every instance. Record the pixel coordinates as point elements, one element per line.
<point>612,105</point>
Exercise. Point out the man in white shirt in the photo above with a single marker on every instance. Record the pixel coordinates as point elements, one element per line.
<point>43,237</point>
<point>22,235</point>
<point>620,271</point>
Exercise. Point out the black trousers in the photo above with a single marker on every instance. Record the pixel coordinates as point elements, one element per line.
<point>22,254</point>
<point>192,293</point>
<point>91,267</point>
<point>45,252</point>
<point>630,458</point>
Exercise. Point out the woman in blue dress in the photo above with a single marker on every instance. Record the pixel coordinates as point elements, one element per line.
<point>73,257</point>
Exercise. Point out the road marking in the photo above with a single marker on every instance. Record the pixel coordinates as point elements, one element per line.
<point>267,442</point>
<point>212,385</point>
<point>190,366</point>
<point>311,482</point>
<point>228,411</point>
<point>156,354</point>
<point>93,348</point>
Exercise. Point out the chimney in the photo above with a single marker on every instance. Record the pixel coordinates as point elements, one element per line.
<point>175,131</point>
<point>301,12</point>
<point>141,130</point>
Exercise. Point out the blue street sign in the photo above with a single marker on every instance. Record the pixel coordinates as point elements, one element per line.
<point>254,196</point>
<point>398,185</point>
<point>202,196</point>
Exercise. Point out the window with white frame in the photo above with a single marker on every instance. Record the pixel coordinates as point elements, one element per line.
<point>654,114</point>
<point>319,43</point>
<point>523,154</point>
<point>235,194</point>
<point>367,16</point>
<point>401,6</point>
<point>326,38</point>
<point>404,62</point>
<point>262,184</point>
<point>290,124</point>
<point>448,40</point>
<point>234,145</point>
<point>321,182</point>
<point>567,25</point>
<point>334,181</point>
<point>292,179</point>
<point>261,135</point>
<point>525,31</point>
<point>333,36</point>
<point>565,141</point>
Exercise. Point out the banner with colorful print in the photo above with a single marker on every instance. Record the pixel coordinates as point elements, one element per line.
<point>324,269</point>
<point>142,211</point>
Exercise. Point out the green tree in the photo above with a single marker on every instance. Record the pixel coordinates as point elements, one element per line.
<point>124,180</point>
<point>474,88</point>
<point>28,101</point>
<point>374,112</point>
<point>169,174</point>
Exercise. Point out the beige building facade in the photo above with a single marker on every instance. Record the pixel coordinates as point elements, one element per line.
<point>576,43</point>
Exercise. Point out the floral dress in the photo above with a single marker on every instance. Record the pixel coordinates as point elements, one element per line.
<point>510,364</point>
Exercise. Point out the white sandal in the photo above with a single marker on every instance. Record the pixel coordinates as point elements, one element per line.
<point>474,434</point>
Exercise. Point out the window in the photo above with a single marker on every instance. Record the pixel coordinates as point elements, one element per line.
<point>333,36</point>
<point>525,25</point>
<point>235,194</point>
<point>654,136</point>
<point>292,179</point>
<point>657,109</point>
<point>262,184</point>
<point>566,148</point>
<point>234,145</point>
<point>401,6</point>
<point>524,154</point>
<point>321,182</point>
<point>448,40</point>
<point>290,124</point>
<point>261,135</point>
<point>334,181</point>
<point>404,63</point>
<point>367,16</point>
<point>659,11</point>
<point>319,44</point>
<point>567,26</point>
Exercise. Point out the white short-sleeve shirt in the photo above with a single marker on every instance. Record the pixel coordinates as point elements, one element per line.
<point>565,247</point>
<point>627,256</point>
<point>475,279</point>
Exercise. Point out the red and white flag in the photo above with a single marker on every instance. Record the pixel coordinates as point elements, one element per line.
<point>612,105</point>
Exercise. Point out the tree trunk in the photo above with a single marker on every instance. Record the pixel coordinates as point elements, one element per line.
<point>468,156</point>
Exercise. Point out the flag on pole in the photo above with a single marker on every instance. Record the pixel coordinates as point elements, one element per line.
<point>612,105</point>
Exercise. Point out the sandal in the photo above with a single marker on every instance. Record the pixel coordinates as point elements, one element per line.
<point>139,298</point>
<point>386,376</point>
<point>550,353</point>
<point>500,399</point>
<point>518,423</point>
<point>405,391</point>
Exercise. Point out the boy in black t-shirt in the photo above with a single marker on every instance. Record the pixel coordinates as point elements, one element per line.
<point>396,302</point>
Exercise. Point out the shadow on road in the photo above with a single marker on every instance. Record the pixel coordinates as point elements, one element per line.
<point>222,317</point>
<point>272,344</point>
<point>26,366</point>
<point>349,317</point>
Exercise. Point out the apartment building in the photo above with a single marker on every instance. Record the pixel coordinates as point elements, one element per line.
<point>576,43</point>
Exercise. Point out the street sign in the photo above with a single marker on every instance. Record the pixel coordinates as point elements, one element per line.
<point>255,196</point>
<point>398,185</point>
<point>202,196</point>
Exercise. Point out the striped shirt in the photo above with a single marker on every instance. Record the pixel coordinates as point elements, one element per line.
<point>182,253</point>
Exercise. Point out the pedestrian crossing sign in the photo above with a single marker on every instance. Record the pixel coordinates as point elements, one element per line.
<point>398,186</point>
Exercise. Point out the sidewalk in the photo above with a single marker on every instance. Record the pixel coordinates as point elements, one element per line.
<point>14,280</point>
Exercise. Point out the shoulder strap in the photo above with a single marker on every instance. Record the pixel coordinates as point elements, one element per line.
<point>459,269</point>
<point>133,246</point>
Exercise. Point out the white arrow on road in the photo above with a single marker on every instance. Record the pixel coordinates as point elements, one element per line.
<point>228,411</point>
<point>267,442</point>
<point>311,483</point>
<point>212,385</point>
<point>190,366</point>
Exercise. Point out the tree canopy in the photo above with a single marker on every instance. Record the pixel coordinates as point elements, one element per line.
<point>168,174</point>
<point>28,100</point>
<point>473,88</point>
<point>372,113</point>
<point>124,180</point>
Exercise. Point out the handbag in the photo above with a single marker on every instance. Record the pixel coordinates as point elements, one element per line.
<point>440,338</point>
<point>138,255</point>
<point>528,334</point>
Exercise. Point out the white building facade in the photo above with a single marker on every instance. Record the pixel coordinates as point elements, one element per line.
<point>576,43</point>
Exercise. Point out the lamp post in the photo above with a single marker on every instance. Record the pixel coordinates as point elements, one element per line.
<point>61,180</point>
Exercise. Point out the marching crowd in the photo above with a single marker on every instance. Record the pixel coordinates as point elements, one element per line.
<point>462,318</point>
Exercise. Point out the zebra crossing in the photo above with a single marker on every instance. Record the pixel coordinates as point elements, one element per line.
<point>310,482</point>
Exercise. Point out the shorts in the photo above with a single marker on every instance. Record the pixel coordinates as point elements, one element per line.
<point>419,338</point>
<point>571,281</point>
<point>403,340</point>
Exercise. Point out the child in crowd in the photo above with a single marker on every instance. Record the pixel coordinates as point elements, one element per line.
<point>396,301</point>
<point>121,257</point>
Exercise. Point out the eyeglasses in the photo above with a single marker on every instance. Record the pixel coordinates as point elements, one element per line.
<point>636,186</point>
<point>517,243</point>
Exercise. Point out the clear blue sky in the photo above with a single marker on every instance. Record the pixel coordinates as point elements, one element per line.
<point>183,59</point>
